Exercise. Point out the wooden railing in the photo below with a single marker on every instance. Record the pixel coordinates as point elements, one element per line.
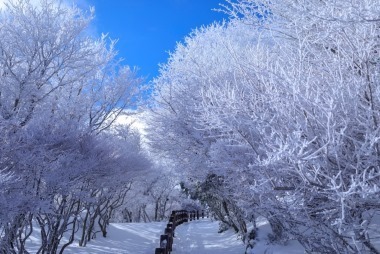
<point>176,218</point>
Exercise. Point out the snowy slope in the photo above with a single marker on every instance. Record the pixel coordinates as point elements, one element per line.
<point>198,237</point>
<point>123,238</point>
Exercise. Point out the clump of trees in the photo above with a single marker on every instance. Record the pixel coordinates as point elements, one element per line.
<point>276,113</point>
<point>152,197</point>
<point>61,168</point>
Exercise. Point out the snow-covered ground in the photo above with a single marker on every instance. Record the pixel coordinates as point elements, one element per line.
<point>201,237</point>
<point>122,238</point>
<point>198,237</point>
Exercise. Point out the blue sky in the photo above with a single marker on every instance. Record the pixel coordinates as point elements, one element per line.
<point>148,29</point>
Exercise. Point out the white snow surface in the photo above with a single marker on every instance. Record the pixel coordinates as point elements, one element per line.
<point>202,237</point>
<point>199,237</point>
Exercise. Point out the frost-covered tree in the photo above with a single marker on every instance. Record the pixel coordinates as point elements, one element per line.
<point>60,91</point>
<point>282,103</point>
<point>153,196</point>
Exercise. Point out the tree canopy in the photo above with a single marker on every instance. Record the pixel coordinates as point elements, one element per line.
<point>275,113</point>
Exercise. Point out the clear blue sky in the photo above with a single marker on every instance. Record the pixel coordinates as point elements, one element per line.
<point>148,29</point>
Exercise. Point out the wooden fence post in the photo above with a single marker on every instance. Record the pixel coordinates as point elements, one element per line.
<point>172,221</point>
<point>165,243</point>
<point>186,216</point>
<point>160,251</point>
<point>169,232</point>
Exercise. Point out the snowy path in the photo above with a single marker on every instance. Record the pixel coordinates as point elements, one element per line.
<point>201,237</point>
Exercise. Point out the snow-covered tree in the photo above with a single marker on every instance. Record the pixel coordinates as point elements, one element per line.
<point>282,104</point>
<point>60,91</point>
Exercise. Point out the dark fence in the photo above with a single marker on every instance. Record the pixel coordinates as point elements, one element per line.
<point>176,218</point>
